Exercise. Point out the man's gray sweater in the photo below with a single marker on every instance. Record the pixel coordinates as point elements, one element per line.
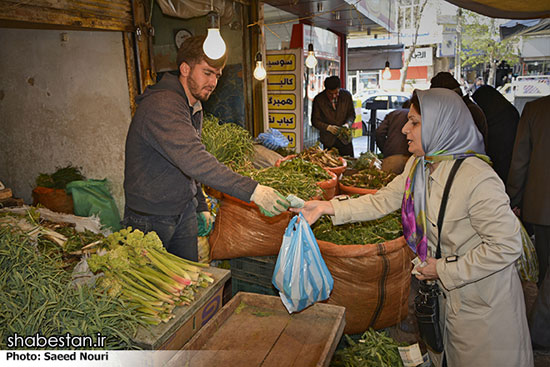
<point>165,158</point>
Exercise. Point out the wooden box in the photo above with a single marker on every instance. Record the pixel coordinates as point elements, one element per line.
<point>188,319</point>
<point>256,330</point>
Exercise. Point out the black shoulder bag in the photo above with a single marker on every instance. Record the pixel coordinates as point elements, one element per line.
<point>426,303</point>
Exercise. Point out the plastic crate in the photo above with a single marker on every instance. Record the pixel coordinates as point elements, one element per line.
<point>239,285</point>
<point>253,274</point>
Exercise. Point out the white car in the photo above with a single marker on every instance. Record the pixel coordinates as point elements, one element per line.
<point>384,102</point>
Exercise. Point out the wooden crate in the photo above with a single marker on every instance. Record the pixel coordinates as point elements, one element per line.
<point>256,330</point>
<point>188,319</point>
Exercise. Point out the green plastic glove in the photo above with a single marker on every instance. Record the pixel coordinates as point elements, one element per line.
<point>269,200</point>
<point>205,223</point>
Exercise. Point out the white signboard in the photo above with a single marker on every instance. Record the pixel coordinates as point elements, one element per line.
<point>447,47</point>
<point>422,56</point>
<point>284,94</point>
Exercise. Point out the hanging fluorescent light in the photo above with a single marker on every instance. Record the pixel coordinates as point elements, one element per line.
<point>259,71</point>
<point>386,74</point>
<point>311,61</point>
<point>214,46</point>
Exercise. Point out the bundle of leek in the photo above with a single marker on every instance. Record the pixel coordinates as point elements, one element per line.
<point>139,270</point>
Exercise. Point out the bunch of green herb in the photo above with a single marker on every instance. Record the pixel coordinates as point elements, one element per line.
<point>229,143</point>
<point>36,297</point>
<point>374,231</point>
<point>60,178</point>
<point>373,349</point>
<point>344,134</point>
<point>368,178</point>
<point>365,160</point>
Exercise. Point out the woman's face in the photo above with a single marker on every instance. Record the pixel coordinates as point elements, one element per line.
<point>413,131</point>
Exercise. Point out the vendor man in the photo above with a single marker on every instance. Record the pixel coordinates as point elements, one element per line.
<point>166,161</point>
<point>332,108</point>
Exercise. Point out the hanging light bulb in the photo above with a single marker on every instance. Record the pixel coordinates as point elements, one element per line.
<point>386,74</point>
<point>311,61</point>
<point>259,71</point>
<point>214,46</point>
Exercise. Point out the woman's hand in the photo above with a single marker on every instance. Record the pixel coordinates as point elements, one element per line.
<point>313,210</point>
<point>428,272</point>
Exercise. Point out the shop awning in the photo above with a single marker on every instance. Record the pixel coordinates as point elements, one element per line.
<point>524,27</point>
<point>374,58</point>
<point>508,9</point>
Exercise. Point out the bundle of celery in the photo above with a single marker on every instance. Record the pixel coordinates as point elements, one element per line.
<point>140,271</point>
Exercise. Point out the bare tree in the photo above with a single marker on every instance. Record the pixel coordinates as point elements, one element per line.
<point>418,10</point>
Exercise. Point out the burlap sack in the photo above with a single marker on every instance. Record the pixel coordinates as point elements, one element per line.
<point>371,281</point>
<point>240,230</point>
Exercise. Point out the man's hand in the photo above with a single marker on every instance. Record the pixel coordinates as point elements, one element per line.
<point>269,200</point>
<point>333,129</point>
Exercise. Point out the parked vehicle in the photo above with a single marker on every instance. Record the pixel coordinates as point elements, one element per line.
<point>384,103</point>
<point>524,89</point>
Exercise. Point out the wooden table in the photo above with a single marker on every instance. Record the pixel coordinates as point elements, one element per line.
<point>256,330</point>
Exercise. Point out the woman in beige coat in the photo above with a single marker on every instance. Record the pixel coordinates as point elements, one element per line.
<point>483,307</point>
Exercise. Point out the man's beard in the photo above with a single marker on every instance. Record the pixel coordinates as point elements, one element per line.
<point>196,90</point>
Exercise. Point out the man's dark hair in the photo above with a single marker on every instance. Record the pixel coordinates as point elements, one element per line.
<point>191,52</point>
<point>446,80</point>
<point>332,82</point>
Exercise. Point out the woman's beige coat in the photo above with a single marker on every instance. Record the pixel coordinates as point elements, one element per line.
<point>484,309</point>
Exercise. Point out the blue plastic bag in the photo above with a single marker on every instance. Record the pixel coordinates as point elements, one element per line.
<point>273,139</point>
<point>300,274</point>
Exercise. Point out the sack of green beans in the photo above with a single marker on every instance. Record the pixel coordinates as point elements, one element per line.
<point>372,278</point>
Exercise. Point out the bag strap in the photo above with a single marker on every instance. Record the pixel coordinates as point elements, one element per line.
<point>450,179</point>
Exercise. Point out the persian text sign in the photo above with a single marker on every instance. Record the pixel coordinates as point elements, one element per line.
<point>281,62</point>
<point>282,120</point>
<point>281,101</point>
<point>291,136</point>
<point>281,82</point>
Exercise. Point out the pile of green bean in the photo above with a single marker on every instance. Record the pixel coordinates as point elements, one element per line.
<point>36,297</point>
<point>373,349</point>
<point>229,143</point>
<point>286,181</point>
<point>308,168</point>
<point>374,231</point>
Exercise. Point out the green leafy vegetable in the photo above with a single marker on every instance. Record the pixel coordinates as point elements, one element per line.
<point>374,231</point>
<point>373,349</point>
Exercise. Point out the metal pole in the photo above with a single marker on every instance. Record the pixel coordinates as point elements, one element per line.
<point>458,44</point>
